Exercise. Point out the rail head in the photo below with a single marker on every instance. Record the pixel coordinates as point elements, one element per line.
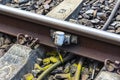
<point>62,25</point>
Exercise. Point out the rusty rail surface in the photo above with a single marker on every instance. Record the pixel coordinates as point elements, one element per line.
<point>62,25</point>
<point>88,47</point>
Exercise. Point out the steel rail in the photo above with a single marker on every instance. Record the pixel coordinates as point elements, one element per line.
<point>62,25</point>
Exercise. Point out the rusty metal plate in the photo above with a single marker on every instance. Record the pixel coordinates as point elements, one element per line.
<point>12,62</point>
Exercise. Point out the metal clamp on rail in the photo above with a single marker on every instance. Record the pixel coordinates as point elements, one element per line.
<point>61,38</point>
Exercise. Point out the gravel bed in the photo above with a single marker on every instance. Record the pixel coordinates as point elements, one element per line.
<point>94,13</point>
<point>35,6</point>
<point>115,23</point>
<point>6,42</point>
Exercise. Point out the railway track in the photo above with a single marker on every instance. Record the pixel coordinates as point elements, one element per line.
<point>93,44</point>
<point>90,13</point>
